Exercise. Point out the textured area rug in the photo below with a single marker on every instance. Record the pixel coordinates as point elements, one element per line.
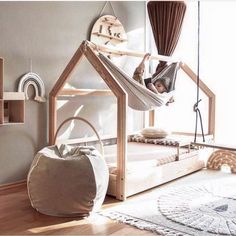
<point>203,203</point>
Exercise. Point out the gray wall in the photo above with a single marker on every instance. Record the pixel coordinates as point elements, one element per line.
<point>48,33</point>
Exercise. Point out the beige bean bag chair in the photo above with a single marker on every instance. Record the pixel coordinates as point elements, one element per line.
<point>67,181</point>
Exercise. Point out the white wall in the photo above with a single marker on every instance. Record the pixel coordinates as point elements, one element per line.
<point>218,51</point>
<point>217,69</point>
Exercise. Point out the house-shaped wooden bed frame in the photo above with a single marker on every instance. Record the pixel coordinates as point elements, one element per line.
<point>119,184</point>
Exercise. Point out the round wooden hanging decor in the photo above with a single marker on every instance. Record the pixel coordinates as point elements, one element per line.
<point>109,31</point>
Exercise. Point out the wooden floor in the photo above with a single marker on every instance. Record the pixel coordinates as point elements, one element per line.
<point>17,217</point>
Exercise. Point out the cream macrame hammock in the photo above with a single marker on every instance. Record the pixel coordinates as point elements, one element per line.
<point>139,97</point>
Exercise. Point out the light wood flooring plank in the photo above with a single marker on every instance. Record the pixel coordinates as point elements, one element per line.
<point>17,217</point>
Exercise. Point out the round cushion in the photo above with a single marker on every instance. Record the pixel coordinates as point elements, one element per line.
<point>67,181</point>
<point>152,132</point>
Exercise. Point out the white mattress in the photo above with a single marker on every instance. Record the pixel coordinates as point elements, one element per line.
<point>142,156</point>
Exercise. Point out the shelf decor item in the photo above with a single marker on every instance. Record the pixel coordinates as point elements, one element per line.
<point>108,30</point>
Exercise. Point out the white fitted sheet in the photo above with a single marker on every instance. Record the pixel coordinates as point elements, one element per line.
<point>141,156</point>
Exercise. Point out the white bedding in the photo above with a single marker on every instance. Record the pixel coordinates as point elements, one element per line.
<point>142,156</point>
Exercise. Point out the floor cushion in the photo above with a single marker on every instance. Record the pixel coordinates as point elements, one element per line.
<point>67,181</point>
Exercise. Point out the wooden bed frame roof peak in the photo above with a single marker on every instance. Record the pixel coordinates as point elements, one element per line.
<point>89,50</point>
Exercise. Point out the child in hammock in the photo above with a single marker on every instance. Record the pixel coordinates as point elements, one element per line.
<point>161,85</point>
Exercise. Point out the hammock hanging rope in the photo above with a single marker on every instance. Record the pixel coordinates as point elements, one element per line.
<point>195,107</point>
<point>139,97</point>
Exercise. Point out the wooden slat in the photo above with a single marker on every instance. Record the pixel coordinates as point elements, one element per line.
<point>211,116</point>
<point>12,123</point>
<point>191,134</point>
<point>112,20</point>
<point>209,94</point>
<point>81,92</point>
<point>138,182</point>
<point>152,118</point>
<point>1,92</point>
<point>16,111</point>
<point>5,187</point>
<point>214,145</point>
<point>1,111</point>
<point>110,37</point>
<point>104,73</point>
<point>113,23</point>
<point>1,78</point>
<point>122,148</point>
<point>14,100</point>
<point>13,96</point>
<point>52,118</point>
<point>121,120</point>
<point>120,52</point>
<point>58,87</point>
<point>68,70</point>
<point>193,76</point>
<point>84,140</point>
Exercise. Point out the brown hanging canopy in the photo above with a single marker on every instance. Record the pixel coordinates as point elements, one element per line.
<point>166,18</point>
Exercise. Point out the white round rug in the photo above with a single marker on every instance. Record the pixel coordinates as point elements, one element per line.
<point>208,208</point>
<point>201,204</point>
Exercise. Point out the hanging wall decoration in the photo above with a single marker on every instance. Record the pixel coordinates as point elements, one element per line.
<point>108,30</point>
<point>34,80</point>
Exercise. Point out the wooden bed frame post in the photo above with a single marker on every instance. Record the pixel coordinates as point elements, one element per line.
<point>52,118</point>
<point>86,49</point>
<point>152,118</point>
<point>1,92</point>
<point>209,94</point>
<point>211,111</point>
<point>58,87</point>
<point>121,149</point>
<point>121,96</point>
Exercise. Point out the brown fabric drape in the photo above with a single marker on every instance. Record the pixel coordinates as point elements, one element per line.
<point>166,18</point>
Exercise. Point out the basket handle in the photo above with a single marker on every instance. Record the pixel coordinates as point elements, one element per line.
<point>87,122</point>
